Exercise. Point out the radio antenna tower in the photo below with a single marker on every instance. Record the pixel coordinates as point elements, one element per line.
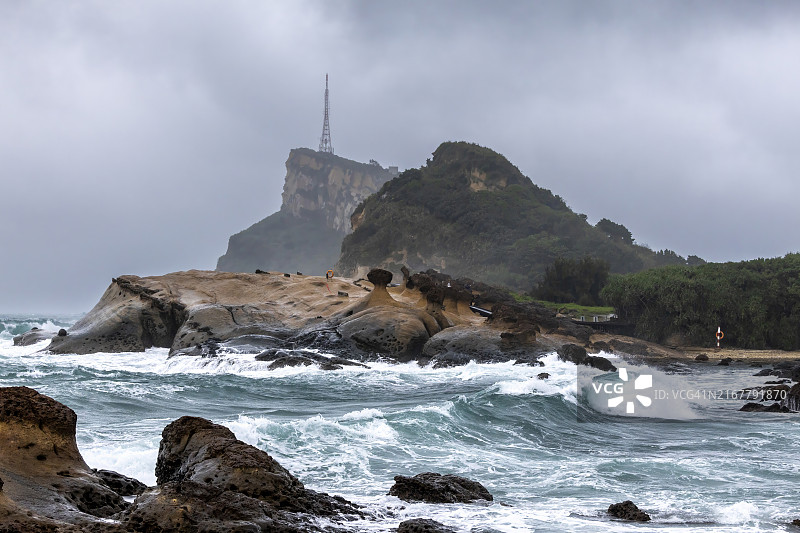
<point>325,144</point>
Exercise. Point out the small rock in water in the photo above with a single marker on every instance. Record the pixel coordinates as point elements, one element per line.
<point>543,375</point>
<point>701,357</point>
<point>423,525</point>
<point>753,407</point>
<point>627,510</point>
<point>430,487</point>
<point>725,362</point>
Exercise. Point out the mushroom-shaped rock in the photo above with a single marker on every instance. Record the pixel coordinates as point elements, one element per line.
<point>430,487</point>
<point>379,277</point>
<point>628,510</point>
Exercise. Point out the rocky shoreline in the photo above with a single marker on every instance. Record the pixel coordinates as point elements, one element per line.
<point>427,318</point>
<point>296,320</point>
<point>206,481</point>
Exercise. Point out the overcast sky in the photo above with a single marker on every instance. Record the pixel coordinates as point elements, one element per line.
<point>136,137</point>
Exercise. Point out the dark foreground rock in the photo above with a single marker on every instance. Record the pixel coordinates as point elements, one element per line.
<point>792,400</point>
<point>430,487</point>
<point>423,525</point>
<point>48,485</point>
<point>573,353</point>
<point>122,485</point>
<point>210,481</point>
<point>628,510</point>
<point>753,407</point>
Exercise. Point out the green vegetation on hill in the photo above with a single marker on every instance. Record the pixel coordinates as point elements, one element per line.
<point>284,242</point>
<point>574,281</point>
<point>470,212</point>
<point>757,303</point>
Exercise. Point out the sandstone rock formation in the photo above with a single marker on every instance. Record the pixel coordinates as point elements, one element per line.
<point>48,485</point>
<point>282,317</point>
<point>210,481</point>
<point>191,310</point>
<point>32,336</point>
<point>431,487</point>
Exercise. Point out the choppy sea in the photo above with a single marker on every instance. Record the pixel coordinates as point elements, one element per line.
<point>696,464</point>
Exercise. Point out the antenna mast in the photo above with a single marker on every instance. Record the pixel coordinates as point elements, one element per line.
<point>325,144</point>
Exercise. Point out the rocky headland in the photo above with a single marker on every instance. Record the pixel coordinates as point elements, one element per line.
<point>320,192</point>
<point>426,318</point>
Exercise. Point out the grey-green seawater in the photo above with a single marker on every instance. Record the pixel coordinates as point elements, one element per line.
<point>701,465</point>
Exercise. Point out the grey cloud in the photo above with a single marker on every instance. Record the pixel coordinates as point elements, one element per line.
<point>137,136</point>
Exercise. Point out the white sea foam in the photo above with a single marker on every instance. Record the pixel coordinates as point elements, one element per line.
<point>134,459</point>
<point>738,513</point>
<point>362,414</point>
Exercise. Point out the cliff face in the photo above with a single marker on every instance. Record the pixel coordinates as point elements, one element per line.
<point>320,193</point>
<point>470,212</point>
<point>329,185</point>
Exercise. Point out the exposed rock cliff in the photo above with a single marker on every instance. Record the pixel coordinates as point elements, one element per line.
<point>320,193</point>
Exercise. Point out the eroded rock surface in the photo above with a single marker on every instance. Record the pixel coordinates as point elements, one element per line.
<point>47,482</point>
<point>628,510</point>
<point>423,525</point>
<point>431,487</point>
<point>210,481</point>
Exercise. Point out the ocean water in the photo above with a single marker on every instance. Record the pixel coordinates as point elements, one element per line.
<point>697,464</point>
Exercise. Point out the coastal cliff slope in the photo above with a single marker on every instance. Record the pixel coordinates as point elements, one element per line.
<point>320,193</point>
<point>470,212</point>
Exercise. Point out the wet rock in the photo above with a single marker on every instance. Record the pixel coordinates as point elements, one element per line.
<point>796,522</point>
<point>122,485</point>
<point>430,487</point>
<point>461,344</point>
<point>572,353</point>
<point>423,525</point>
<point>600,363</point>
<point>45,475</point>
<point>543,375</point>
<point>628,510</point>
<point>396,331</point>
<point>701,357</point>
<point>62,332</point>
<point>792,400</point>
<point>291,360</point>
<point>32,337</point>
<point>725,362</point>
<point>753,407</point>
<point>210,481</point>
<point>602,346</point>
